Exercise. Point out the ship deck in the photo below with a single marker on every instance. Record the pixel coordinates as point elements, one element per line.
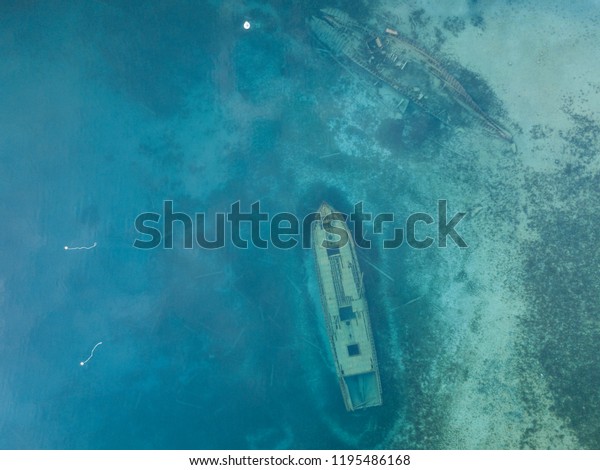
<point>346,315</point>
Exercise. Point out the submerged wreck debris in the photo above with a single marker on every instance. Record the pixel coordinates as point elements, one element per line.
<point>403,65</point>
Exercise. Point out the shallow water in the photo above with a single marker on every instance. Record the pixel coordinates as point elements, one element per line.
<point>108,110</point>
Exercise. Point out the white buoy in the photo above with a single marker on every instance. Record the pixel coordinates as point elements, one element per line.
<point>247,25</point>
<point>83,363</point>
<point>80,247</point>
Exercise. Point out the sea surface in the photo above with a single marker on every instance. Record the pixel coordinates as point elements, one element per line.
<point>108,109</point>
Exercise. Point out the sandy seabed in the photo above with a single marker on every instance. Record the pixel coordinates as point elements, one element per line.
<point>480,375</point>
<point>487,380</point>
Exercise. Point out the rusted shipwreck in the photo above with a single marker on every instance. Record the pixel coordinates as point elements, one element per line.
<point>403,65</point>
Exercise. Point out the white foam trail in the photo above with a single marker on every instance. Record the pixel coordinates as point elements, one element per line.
<point>83,363</point>
<point>80,247</point>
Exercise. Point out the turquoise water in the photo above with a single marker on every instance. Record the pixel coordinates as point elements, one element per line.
<point>107,110</point>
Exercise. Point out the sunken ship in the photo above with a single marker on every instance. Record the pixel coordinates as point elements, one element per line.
<point>346,311</point>
<point>405,66</point>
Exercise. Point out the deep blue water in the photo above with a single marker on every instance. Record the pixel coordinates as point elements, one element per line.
<point>107,110</point>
